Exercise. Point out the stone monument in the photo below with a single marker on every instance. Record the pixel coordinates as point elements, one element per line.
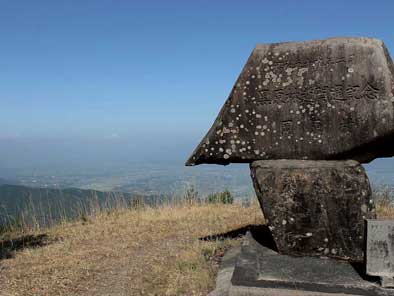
<point>304,115</point>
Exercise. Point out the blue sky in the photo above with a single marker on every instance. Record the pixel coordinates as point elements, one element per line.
<point>142,80</point>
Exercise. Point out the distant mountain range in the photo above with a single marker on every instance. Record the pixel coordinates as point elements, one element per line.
<point>47,205</point>
<point>5,181</point>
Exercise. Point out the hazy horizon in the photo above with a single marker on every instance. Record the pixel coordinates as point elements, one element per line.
<point>96,84</point>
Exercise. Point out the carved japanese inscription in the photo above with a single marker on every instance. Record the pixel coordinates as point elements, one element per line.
<point>328,99</point>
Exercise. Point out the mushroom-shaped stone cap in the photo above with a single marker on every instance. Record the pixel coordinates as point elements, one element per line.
<point>323,99</point>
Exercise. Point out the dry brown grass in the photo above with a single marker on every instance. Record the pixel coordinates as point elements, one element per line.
<point>129,252</point>
<point>384,210</point>
<point>150,251</point>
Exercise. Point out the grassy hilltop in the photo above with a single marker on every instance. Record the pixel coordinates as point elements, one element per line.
<point>172,249</point>
<point>145,251</point>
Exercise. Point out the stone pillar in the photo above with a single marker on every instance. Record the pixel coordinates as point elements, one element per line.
<point>315,208</point>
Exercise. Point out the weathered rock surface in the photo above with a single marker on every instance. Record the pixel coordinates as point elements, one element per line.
<point>380,250</point>
<point>327,99</point>
<point>315,208</point>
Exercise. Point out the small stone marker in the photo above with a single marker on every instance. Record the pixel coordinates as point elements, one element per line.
<point>380,250</point>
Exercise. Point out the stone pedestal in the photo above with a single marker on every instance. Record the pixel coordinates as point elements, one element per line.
<point>315,208</point>
<point>256,270</point>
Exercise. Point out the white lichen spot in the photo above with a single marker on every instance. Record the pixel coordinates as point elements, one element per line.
<point>350,70</point>
<point>308,234</point>
<point>232,110</point>
<point>226,156</point>
<point>289,70</point>
<point>284,222</point>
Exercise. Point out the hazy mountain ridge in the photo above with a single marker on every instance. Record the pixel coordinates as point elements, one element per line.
<point>55,203</point>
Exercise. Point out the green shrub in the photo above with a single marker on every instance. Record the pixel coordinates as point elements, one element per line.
<point>224,197</point>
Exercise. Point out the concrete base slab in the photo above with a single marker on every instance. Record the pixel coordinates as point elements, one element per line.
<point>257,270</point>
